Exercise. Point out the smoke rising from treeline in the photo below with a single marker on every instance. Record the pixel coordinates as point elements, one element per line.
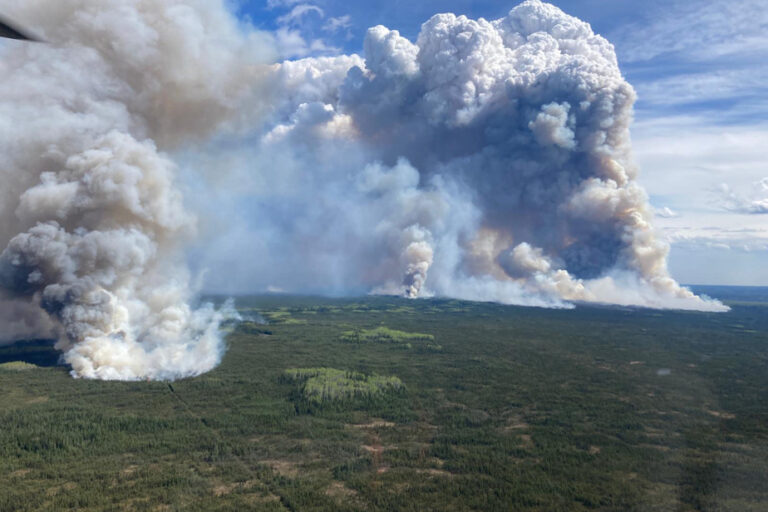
<point>93,225</point>
<point>486,160</point>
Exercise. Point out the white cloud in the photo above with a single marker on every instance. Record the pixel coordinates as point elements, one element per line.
<point>319,46</point>
<point>297,30</point>
<point>699,30</point>
<point>667,213</point>
<point>703,55</point>
<point>682,161</point>
<point>683,158</point>
<point>273,4</point>
<point>705,86</point>
<point>298,12</point>
<point>291,43</point>
<point>336,24</point>
<point>716,237</point>
<point>755,202</point>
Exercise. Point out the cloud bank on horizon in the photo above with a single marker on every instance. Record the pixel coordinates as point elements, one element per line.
<point>487,160</point>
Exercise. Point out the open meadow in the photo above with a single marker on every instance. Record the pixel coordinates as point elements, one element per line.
<point>391,404</point>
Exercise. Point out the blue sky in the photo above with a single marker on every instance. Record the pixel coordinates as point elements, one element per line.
<point>407,15</point>
<point>700,68</point>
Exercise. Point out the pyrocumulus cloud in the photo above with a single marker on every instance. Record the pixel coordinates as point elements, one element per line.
<point>486,160</point>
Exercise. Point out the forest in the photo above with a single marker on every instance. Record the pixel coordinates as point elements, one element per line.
<point>382,403</point>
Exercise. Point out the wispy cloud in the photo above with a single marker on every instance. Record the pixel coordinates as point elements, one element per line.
<point>691,88</point>
<point>298,12</point>
<point>273,4</point>
<point>704,56</point>
<point>753,203</point>
<point>667,213</point>
<point>716,237</point>
<point>292,44</point>
<point>685,157</point>
<point>302,29</point>
<point>698,30</point>
<point>683,161</point>
<point>336,24</point>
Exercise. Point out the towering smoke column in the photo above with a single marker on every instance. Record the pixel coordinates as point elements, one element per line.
<point>488,160</point>
<point>91,220</point>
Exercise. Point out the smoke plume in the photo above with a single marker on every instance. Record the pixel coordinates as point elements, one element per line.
<point>92,222</point>
<point>487,160</point>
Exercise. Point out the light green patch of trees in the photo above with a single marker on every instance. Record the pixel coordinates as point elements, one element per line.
<point>385,335</point>
<point>320,385</point>
<point>18,366</point>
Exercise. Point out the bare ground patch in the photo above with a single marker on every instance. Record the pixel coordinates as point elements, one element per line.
<point>283,467</point>
<point>224,489</point>
<point>526,440</point>
<point>373,424</point>
<point>339,491</point>
<point>435,472</point>
<point>68,486</point>
<point>721,414</point>
<point>129,470</point>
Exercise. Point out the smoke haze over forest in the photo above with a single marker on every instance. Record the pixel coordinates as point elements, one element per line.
<point>484,160</point>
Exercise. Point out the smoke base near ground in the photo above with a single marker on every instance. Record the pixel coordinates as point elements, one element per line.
<point>487,160</point>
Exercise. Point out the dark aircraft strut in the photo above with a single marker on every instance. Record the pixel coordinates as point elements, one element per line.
<point>9,31</point>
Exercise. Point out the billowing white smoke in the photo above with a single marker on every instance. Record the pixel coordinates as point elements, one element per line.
<point>91,220</point>
<point>488,160</point>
